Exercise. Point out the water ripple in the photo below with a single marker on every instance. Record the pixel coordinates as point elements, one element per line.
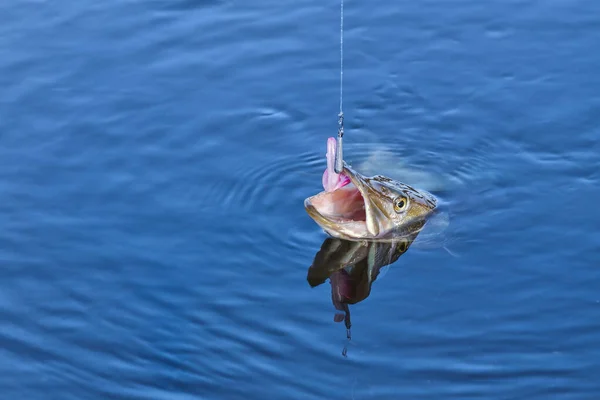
<point>270,185</point>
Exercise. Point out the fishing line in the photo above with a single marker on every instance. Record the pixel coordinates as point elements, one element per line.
<point>339,159</point>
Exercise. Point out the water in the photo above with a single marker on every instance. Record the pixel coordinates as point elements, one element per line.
<point>154,159</point>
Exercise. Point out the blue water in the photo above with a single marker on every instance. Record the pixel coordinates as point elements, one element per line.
<point>154,160</point>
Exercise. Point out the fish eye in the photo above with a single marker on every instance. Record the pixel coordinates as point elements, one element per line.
<point>400,204</point>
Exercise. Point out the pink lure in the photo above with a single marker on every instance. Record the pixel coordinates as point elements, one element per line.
<point>331,180</point>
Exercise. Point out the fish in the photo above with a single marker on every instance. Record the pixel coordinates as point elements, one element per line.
<point>353,206</point>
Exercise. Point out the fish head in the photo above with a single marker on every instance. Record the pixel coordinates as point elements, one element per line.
<point>369,207</point>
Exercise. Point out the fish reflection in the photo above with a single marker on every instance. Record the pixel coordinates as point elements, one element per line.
<point>352,267</point>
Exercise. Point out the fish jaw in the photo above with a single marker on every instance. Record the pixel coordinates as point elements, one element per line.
<point>340,213</point>
<point>349,212</point>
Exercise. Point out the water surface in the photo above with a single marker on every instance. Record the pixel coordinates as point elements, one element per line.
<point>154,160</point>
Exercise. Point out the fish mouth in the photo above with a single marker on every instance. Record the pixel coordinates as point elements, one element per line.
<point>349,212</point>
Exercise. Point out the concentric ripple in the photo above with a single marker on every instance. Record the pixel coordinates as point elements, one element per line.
<point>273,184</point>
